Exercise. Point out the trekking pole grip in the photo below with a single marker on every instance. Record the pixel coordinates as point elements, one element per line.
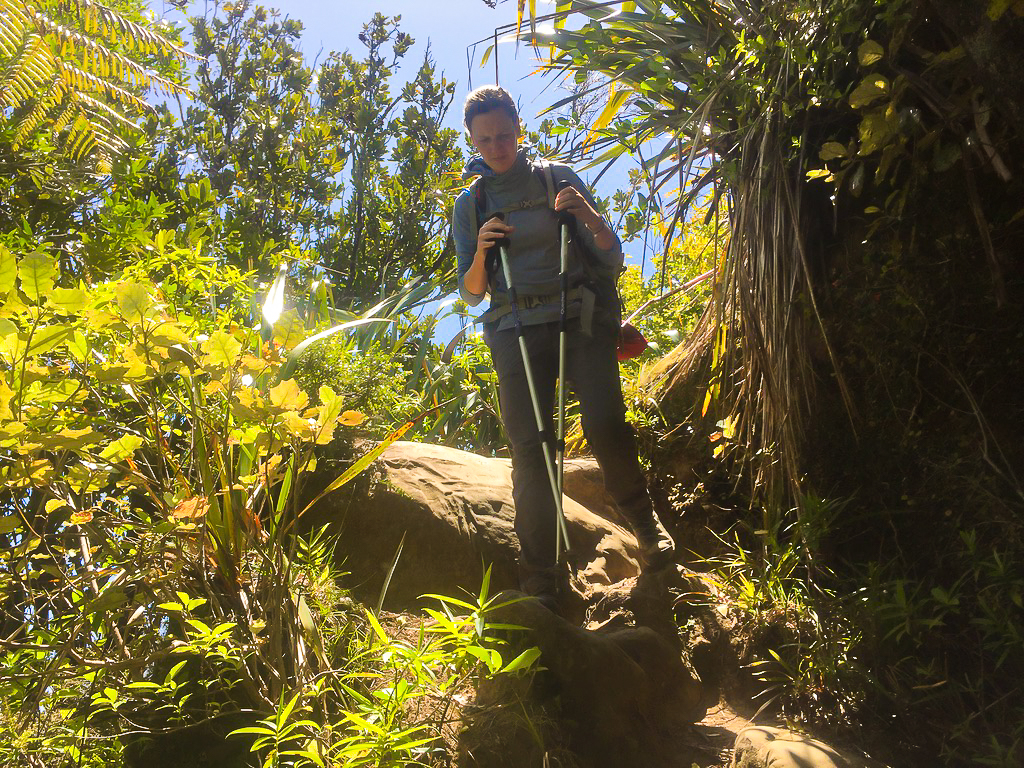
<point>503,242</point>
<point>564,217</point>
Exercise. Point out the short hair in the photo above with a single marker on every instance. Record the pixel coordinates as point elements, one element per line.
<point>487,98</point>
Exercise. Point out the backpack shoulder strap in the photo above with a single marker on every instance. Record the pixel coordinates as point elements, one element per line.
<point>476,194</point>
<point>542,168</point>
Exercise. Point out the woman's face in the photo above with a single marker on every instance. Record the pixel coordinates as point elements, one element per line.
<point>495,135</point>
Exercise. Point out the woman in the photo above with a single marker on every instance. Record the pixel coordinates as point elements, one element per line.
<point>510,183</point>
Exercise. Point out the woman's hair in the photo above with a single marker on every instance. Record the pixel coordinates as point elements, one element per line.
<point>485,99</point>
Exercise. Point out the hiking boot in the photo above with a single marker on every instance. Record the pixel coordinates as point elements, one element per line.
<point>657,549</point>
<point>548,585</point>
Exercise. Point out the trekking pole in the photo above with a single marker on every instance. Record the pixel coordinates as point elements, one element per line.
<point>549,460</point>
<point>565,220</point>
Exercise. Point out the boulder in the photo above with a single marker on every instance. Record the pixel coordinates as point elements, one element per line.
<point>618,699</point>
<point>762,746</point>
<point>451,512</point>
<point>583,482</point>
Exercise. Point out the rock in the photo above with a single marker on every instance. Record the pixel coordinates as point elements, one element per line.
<point>762,746</point>
<point>583,482</point>
<point>620,698</point>
<point>455,512</point>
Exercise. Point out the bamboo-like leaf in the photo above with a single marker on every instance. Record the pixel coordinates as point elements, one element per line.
<point>273,306</point>
<point>364,461</point>
<point>391,573</point>
<point>616,98</point>
<point>487,55</point>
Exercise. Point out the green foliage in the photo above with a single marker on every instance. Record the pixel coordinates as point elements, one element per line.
<point>376,704</point>
<point>372,380</point>
<point>393,373</point>
<point>149,449</point>
<point>806,642</point>
<point>404,164</point>
<point>154,441</point>
<point>864,331</point>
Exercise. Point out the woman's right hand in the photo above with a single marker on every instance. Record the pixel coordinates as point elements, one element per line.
<point>494,229</point>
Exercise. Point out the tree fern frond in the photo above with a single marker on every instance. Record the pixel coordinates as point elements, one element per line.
<point>41,109</point>
<point>33,65</point>
<point>81,137</point>
<point>109,23</point>
<point>100,108</point>
<point>11,35</point>
<point>14,12</point>
<point>85,81</point>
<point>69,81</point>
<point>65,117</point>
<point>107,62</point>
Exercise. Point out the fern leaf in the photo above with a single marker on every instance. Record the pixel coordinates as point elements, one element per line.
<point>42,107</point>
<point>11,35</point>
<point>98,106</point>
<point>33,65</point>
<point>81,137</point>
<point>88,82</point>
<point>65,118</point>
<point>136,37</point>
<point>107,63</point>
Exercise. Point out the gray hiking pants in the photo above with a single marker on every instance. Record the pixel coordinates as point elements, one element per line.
<point>592,370</point>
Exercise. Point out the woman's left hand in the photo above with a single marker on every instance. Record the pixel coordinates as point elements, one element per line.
<point>571,201</point>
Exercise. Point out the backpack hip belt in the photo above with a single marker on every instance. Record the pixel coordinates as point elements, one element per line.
<point>580,293</point>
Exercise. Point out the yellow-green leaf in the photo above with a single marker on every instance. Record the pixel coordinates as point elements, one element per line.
<point>36,272</point>
<point>10,523</point>
<point>78,346</point>
<point>616,98</point>
<point>288,396</point>
<point>330,410</point>
<point>296,426</point>
<point>221,349</point>
<point>831,150</point>
<point>133,299</point>
<point>6,397</point>
<point>122,448</point>
<point>68,299</point>
<point>870,90</point>
<point>46,339</point>
<point>168,334</point>
<point>876,129</point>
<point>487,55</point>
<point>53,505</point>
<point>8,270</point>
<point>869,52</point>
<point>71,439</point>
<point>290,329</point>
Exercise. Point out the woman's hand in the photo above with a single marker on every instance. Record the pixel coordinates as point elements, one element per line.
<point>569,200</point>
<point>494,229</point>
